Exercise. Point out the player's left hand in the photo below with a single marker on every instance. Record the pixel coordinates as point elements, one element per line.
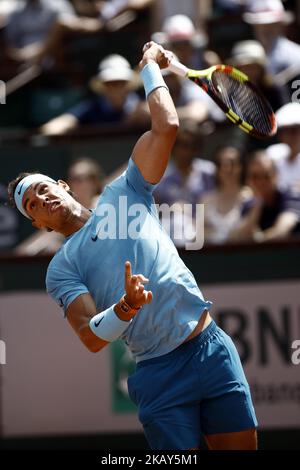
<point>136,294</point>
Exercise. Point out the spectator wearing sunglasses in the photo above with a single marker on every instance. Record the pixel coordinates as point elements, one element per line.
<point>275,215</point>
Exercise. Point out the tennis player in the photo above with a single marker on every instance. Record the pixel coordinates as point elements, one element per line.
<point>189,379</point>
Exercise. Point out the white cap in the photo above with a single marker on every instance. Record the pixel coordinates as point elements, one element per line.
<point>248,52</point>
<point>113,68</point>
<point>267,12</point>
<point>181,28</point>
<point>288,115</point>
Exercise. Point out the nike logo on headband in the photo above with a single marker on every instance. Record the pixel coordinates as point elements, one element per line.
<point>97,323</point>
<point>19,192</point>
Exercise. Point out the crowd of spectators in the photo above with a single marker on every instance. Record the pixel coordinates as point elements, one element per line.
<point>250,190</point>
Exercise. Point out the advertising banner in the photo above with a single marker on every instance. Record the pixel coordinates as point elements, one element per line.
<point>50,383</point>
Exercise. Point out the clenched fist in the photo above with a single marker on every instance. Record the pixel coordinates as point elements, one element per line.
<point>155,53</point>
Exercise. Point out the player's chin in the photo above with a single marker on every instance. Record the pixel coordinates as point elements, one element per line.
<point>64,212</point>
<point>61,213</point>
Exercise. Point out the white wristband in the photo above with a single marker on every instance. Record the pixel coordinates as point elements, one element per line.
<point>152,78</point>
<point>107,325</point>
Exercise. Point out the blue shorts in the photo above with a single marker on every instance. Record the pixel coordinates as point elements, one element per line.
<point>199,388</point>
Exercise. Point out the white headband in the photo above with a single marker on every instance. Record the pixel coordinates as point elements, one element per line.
<point>23,185</point>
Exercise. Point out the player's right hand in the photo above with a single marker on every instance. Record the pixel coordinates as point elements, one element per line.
<point>156,53</point>
<point>136,294</point>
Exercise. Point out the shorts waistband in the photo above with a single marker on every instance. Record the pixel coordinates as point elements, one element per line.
<point>198,340</point>
<point>203,336</point>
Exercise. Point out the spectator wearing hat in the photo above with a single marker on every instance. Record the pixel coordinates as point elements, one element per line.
<point>114,100</point>
<point>268,18</point>
<point>188,43</point>
<point>286,154</point>
<point>199,10</point>
<point>250,57</point>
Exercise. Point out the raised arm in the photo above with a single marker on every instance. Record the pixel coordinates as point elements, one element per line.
<point>151,152</point>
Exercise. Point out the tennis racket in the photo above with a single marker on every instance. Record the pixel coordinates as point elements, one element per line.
<point>241,101</point>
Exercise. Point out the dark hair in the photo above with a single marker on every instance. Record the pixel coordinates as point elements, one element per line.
<point>13,184</point>
<point>217,157</point>
<point>94,170</point>
<point>261,156</point>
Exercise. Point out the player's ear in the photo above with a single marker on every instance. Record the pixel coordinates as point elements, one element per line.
<point>64,185</point>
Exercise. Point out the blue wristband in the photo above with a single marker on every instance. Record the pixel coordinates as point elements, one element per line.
<point>107,325</point>
<point>152,78</point>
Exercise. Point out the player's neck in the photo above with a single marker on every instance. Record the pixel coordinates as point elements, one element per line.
<point>75,221</point>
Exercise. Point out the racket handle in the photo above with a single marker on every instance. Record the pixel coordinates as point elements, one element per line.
<point>178,68</point>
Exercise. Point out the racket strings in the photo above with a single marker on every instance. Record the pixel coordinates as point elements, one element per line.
<point>244,101</point>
